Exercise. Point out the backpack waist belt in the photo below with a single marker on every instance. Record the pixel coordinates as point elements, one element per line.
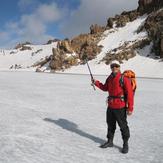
<point>122,97</point>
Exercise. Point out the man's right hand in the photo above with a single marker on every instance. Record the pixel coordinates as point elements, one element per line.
<point>93,81</point>
<point>129,113</point>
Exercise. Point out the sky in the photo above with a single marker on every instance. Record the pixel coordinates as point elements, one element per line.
<point>37,21</point>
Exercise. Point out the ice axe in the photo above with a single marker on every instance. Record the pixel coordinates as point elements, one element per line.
<point>85,58</point>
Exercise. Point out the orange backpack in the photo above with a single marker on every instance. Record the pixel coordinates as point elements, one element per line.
<point>131,75</point>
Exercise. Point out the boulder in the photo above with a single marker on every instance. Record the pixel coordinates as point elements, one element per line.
<point>65,45</point>
<point>132,15</point>
<point>25,48</point>
<point>94,29</point>
<point>83,43</point>
<point>51,41</point>
<point>70,61</point>
<point>56,62</point>
<point>91,50</point>
<point>110,22</point>
<point>20,45</point>
<point>80,41</point>
<point>122,20</point>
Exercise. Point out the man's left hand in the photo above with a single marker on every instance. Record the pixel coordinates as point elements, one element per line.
<point>129,113</point>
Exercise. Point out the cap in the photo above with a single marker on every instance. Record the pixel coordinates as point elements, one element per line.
<point>116,63</point>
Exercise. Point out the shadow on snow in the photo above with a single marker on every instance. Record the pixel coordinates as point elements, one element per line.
<point>73,127</point>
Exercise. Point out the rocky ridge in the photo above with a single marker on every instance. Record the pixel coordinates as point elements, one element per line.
<point>71,52</point>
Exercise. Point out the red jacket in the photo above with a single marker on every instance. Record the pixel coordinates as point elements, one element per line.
<point>112,85</point>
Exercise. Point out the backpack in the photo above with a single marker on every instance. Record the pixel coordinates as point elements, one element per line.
<point>131,76</point>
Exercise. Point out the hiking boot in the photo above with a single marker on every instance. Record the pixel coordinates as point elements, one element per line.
<point>107,144</point>
<point>125,148</point>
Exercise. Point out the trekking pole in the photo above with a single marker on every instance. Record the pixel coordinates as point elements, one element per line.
<point>92,79</point>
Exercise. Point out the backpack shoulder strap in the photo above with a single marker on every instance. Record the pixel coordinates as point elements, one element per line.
<point>121,81</point>
<point>109,77</point>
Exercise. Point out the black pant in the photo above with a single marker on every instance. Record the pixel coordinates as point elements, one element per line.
<point>120,116</point>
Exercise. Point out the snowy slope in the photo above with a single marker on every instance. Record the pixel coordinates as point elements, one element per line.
<point>61,119</point>
<point>25,58</point>
<point>141,64</point>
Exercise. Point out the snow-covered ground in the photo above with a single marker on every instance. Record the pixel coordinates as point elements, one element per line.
<point>50,118</point>
<point>25,58</point>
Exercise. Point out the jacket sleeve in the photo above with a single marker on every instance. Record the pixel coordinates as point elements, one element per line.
<point>129,92</point>
<point>101,86</point>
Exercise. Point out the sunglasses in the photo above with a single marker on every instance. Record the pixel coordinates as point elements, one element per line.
<point>114,65</point>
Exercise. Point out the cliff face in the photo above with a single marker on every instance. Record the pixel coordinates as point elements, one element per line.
<point>147,6</point>
<point>154,23</point>
<point>154,27</point>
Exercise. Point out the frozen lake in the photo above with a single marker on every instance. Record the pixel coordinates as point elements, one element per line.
<point>52,118</point>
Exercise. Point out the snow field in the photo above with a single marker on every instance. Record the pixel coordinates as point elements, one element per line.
<point>60,118</point>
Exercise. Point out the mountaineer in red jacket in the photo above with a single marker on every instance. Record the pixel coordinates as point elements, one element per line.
<point>120,104</point>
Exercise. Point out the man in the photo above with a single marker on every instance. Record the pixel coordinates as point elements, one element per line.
<point>120,104</point>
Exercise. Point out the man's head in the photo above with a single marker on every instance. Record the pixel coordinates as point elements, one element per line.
<point>115,67</point>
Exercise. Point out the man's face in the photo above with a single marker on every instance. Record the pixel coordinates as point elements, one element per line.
<point>115,68</point>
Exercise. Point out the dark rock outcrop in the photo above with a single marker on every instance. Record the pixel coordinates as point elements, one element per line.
<point>126,51</point>
<point>56,62</point>
<point>132,15</point>
<point>22,45</point>
<point>65,46</point>
<point>60,60</point>
<point>86,44</point>
<point>25,48</point>
<point>110,22</point>
<point>147,6</point>
<point>161,53</point>
<point>122,19</point>
<point>95,29</point>
<point>81,45</point>
<point>51,41</point>
<point>154,27</point>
